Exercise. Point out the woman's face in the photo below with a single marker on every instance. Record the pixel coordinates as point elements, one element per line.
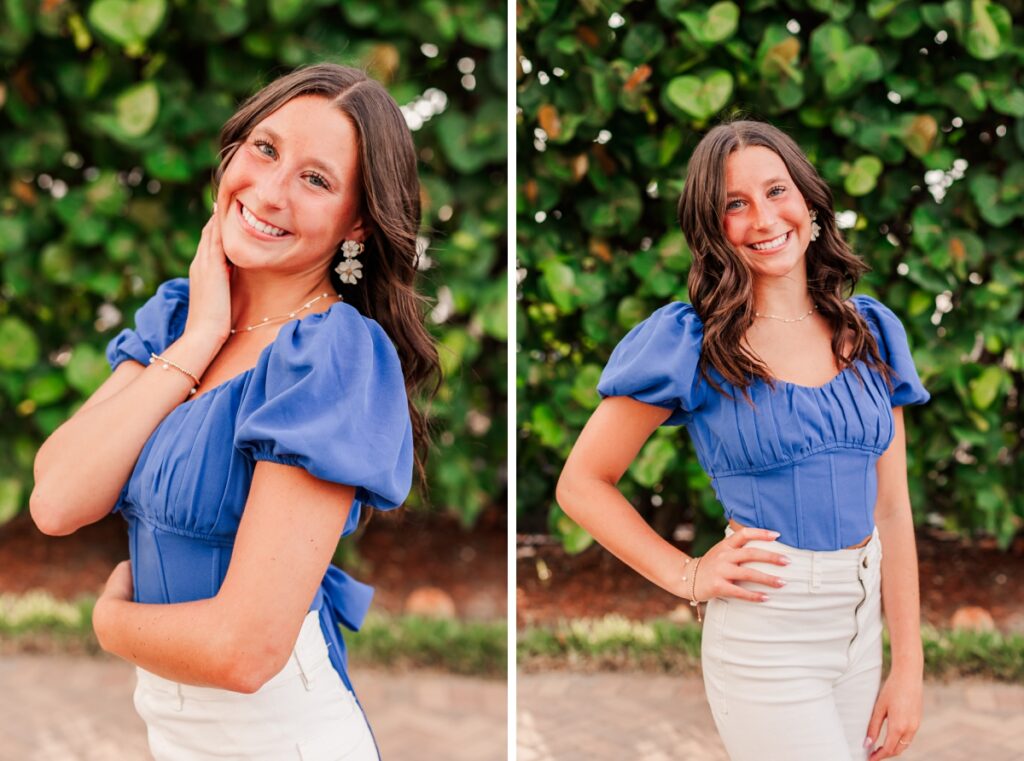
<point>291,193</point>
<point>766,216</point>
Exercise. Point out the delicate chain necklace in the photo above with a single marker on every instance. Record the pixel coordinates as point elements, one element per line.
<point>783,319</point>
<point>272,320</point>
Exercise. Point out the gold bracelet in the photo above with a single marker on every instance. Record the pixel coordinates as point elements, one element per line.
<point>694,603</point>
<point>169,363</point>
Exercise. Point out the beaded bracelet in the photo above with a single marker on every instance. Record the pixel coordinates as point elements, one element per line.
<point>169,363</point>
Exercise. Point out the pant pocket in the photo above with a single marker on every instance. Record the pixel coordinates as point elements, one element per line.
<point>344,735</point>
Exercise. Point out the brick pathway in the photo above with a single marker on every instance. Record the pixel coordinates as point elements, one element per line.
<point>599,717</point>
<point>61,708</point>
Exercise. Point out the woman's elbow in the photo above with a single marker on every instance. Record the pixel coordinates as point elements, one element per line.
<point>250,664</point>
<point>567,492</point>
<point>47,516</point>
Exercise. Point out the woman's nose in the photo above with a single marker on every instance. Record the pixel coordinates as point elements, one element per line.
<point>764,216</point>
<point>270,189</point>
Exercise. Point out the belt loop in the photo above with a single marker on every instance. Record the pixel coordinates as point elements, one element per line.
<point>181,697</point>
<point>815,572</point>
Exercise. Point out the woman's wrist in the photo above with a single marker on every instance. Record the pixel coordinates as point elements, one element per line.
<point>910,663</point>
<point>676,578</point>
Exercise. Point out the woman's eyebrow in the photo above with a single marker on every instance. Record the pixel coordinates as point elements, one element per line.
<point>770,181</point>
<point>314,162</point>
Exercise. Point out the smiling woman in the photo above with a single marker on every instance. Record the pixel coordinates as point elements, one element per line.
<point>792,390</point>
<point>298,367</point>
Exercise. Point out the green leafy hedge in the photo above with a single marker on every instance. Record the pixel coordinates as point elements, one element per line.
<point>109,114</point>
<point>913,114</point>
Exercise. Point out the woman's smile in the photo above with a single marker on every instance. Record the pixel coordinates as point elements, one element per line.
<point>258,228</point>
<point>771,245</point>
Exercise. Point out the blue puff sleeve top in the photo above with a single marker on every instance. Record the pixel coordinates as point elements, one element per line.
<point>327,395</point>
<point>801,461</point>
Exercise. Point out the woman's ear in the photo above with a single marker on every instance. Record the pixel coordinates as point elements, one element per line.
<point>361,230</point>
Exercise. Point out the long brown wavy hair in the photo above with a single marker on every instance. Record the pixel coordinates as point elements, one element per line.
<point>390,201</point>
<point>720,281</point>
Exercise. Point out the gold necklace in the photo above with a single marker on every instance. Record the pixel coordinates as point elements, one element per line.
<point>290,315</point>
<point>783,319</point>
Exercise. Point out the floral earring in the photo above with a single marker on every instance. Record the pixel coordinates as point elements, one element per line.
<point>348,269</point>
<point>815,227</point>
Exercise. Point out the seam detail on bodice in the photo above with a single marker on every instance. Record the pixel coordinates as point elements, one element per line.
<point>222,540</point>
<point>832,447</point>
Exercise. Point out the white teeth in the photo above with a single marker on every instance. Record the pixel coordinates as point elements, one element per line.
<point>774,243</point>
<point>257,225</point>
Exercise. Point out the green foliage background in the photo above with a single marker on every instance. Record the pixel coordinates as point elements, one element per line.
<point>888,98</point>
<point>109,115</point>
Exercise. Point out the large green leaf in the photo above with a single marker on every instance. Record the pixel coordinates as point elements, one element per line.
<point>701,97</point>
<point>137,108</point>
<point>129,22</point>
<point>19,348</point>
<point>713,25</point>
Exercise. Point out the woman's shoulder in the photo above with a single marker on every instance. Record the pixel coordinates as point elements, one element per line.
<point>675,320</point>
<point>880,318</point>
<point>338,331</point>
<point>328,352</point>
<point>158,323</point>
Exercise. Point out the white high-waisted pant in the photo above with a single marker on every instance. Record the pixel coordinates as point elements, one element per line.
<point>795,678</point>
<point>304,713</point>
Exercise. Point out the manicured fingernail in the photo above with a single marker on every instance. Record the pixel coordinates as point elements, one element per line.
<point>867,742</point>
<point>764,598</point>
<point>781,583</point>
<point>785,560</point>
<point>775,533</point>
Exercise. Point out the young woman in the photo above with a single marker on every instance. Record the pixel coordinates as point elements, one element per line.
<point>254,410</point>
<point>793,395</point>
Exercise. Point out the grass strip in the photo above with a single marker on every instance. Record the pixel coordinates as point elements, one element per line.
<point>473,648</point>
<point>37,622</point>
<point>614,642</point>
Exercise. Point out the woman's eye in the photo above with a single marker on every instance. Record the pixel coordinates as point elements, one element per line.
<point>261,144</point>
<point>733,205</point>
<point>319,180</point>
<point>778,189</point>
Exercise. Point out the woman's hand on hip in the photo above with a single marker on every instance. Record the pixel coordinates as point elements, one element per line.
<point>209,277</point>
<point>723,565</point>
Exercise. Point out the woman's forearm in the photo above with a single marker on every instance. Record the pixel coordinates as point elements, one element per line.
<point>196,642</point>
<point>82,467</point>
<point>606,515</point>
<point>900,592</point>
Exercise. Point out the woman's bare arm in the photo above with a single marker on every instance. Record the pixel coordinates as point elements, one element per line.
<point>587,492</point>
<point>900,593</point>
<point>900,701</point>
<point>240,638</point>
<point>82,467</point>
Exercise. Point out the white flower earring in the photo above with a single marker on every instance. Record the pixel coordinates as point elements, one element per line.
<point>815,227</point>
<point>348,269</point>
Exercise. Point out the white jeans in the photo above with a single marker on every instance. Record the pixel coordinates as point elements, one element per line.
<point>305,713</point>
<point>795,678</point>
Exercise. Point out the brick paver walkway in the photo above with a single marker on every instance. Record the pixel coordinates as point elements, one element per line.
<point>642,717</point>
<point>61,708</point>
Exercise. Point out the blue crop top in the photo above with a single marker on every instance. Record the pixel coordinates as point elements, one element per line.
<point>326,395</point>
<point>801,461</point>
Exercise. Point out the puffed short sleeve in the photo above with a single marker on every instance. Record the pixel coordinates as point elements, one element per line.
<point>329,397</point>
<point>656,363</point>
<point>895,351</point>
<point>158,323</point>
